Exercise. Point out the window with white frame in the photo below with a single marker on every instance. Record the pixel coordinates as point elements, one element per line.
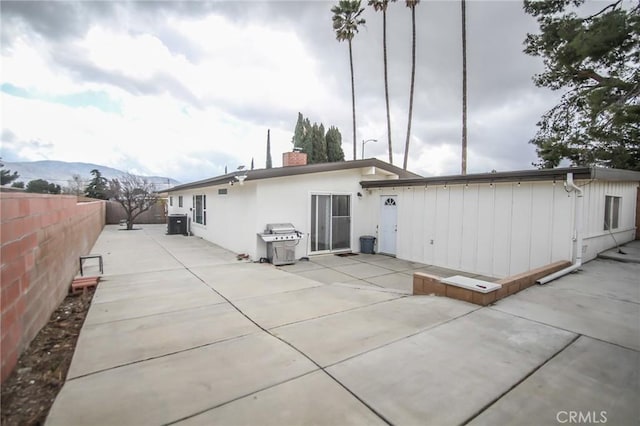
<point>171,201</point>
<point>179,200</point>
<point>200,209</point>
<point>611,212</point>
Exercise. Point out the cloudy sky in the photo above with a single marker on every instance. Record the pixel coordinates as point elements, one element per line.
<point>181,89</point>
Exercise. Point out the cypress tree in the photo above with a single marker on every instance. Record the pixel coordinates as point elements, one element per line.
<point>269,162</point>
<point>318,144</point>
<point>298,133</point>
<point>334,145</point>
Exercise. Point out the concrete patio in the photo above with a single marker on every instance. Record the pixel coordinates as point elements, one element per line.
<point>180,332</point>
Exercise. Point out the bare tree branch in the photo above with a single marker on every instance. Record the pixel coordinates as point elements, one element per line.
<point>135,194</point>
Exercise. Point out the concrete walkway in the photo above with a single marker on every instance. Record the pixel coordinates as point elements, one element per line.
<point>180,332</point>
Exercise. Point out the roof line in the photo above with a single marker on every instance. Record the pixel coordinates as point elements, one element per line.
<point>513,176</point>
<point>258,174</point>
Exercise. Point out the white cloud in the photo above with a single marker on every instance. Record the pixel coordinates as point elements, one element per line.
<point>138,56</point>
<point>199,90</point>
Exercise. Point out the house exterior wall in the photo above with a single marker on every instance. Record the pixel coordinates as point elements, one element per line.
<point>596,238</point>
<point>505,228</point>
<point>493,230</point>
<point>234,220</point>
<point>230,216</point>
<point>289,200</point>
<point>498,229</point>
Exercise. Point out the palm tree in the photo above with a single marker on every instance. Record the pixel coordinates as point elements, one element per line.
<point>346,19</point>
<point>381,5</point>
<point>412,5</point>
<point>464,87</point>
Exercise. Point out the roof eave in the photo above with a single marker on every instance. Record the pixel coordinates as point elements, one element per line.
<point>500,177</point>
<point>294,171</point>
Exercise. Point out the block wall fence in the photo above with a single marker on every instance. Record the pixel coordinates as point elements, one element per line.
<point>42,237</point>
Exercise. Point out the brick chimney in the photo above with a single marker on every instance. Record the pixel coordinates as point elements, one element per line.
<point>295,158</point>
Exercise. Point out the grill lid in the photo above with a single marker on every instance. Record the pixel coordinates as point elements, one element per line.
<point>280,228</point>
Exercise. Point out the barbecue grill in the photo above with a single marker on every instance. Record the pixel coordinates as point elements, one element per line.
<point>281,239</point>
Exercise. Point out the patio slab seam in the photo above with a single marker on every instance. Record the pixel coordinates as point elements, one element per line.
<point>362,278</point>
<point>367,286</point>
<point>204,345</point>
<point>589,294</point>
<point>522,380</point>
<point>495,308</point>
<point>222,404</point>
<point>391,342</point>
<point>152,315</point>
<point>107,275</point>
<point>335,313</point>
<point>243,299</point>
<point>267,331</point>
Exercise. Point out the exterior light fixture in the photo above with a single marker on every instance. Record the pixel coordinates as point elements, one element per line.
<point>364,142</point>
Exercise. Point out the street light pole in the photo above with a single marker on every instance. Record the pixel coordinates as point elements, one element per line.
<point>364,142</point>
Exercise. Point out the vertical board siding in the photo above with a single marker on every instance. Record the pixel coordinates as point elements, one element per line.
<point>520,237</point>
<point>506,228</point>
<point>470,228</point>
<point>429,213</point>
<point>596,238</point>
<point>486,225</point>
<point>541,227</point>
<point>562,223</point>
<point>418,235</point>
<point>441,225</point>
<point>456,209</point>
<point>502,230</point>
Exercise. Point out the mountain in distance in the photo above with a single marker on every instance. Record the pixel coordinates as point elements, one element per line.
<point>61,172</point>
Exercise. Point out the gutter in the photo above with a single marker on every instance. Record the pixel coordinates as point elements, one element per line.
<point>569,187</point>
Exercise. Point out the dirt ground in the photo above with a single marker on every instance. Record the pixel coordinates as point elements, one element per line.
<point>27,395</point>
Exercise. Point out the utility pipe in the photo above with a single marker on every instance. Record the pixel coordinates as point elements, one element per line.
<point>571,186</point>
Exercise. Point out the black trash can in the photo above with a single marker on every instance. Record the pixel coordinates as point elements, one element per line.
<point>366,244</point>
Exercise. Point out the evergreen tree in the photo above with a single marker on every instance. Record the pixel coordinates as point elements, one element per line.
<point>318,144</point>
<point>269,162</point>
<point>7,177</point>
<point>306,144</point>
<point>97,187</point>
<point>41,186</point>
<point>298,133</point>
<point>334,145</point>
<point>595,60</point>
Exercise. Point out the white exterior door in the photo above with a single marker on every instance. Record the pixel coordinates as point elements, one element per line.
<point>388,228</point>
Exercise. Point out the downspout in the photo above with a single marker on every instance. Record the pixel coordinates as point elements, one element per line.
<point>569,187</point>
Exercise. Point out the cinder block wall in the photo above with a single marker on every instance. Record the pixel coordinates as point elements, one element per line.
<point>42,237</point>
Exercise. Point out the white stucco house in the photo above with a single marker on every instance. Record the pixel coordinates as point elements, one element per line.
<point>495,224</point>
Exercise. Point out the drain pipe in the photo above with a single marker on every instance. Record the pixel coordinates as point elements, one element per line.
<point>571,186</point>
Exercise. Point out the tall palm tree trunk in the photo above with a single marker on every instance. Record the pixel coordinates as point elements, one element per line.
<point>353,100</point>
<point>413,75</point>
<point>386,81</point>
<point>464,87</point>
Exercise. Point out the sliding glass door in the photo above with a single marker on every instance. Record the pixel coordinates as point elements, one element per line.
<point>330,222</point>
